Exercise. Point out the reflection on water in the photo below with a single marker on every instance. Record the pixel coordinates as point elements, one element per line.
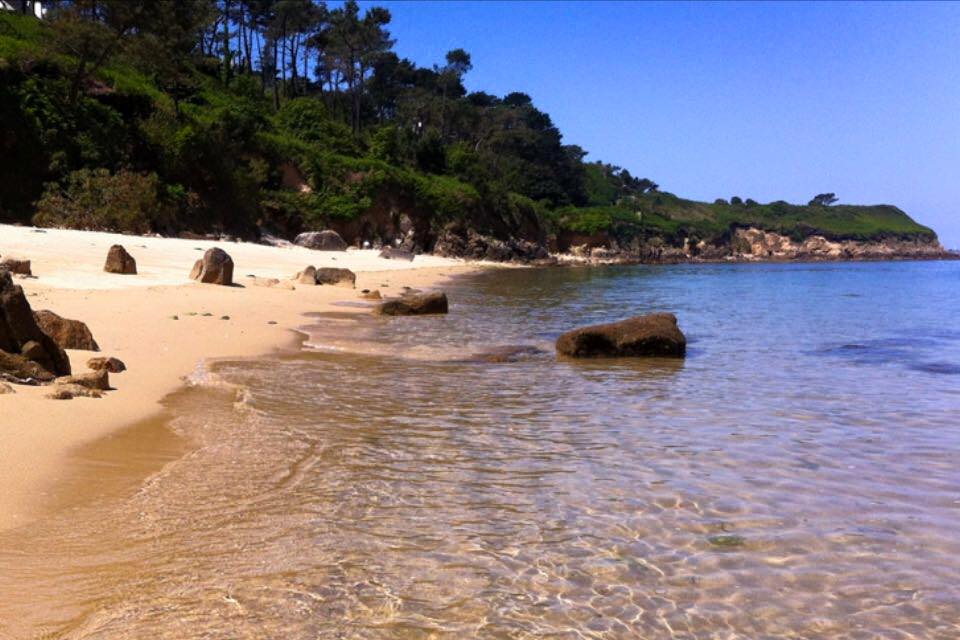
<point>783,481</point>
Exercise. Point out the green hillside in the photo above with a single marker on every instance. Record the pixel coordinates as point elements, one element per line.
<point>245,117</point>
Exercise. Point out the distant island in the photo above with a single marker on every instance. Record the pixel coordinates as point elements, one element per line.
<point>257,119</point>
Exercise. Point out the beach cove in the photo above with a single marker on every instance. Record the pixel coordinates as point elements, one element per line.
<point>132,318</point>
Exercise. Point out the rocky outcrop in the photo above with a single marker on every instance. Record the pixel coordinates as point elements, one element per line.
<point>67,391</point>
<point>19,267</point>
<point>414,304</point>
<point>26,350</point>
<point>455,242</point>
<point>216,267</point>
<point>366,294</point>
<point>755,244</point>
<point>656,334</point>
<point>119,261</point>
<point>113,365</point>
<point>327,240</point>
<point>395,253</point>
<point>69,334</point>
<point>334,276</point>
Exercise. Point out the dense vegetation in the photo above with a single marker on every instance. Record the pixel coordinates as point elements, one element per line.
<point>243,116</point>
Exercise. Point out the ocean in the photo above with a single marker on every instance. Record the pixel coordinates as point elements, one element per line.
<point>797,475</point>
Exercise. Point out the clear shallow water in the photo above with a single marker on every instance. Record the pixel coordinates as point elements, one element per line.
<point>796,476</point>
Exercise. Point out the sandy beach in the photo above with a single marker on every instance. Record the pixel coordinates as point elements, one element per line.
<point>132,318</point>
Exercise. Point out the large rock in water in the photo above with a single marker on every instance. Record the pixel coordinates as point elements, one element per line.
<point>332,275</point>
<point>69,334</point>
<point>413,305</point>
<point>321,240</point>
<point>656,334</point>
<point>216,267</point>
<point>26,348</point>
<point>119,261</point>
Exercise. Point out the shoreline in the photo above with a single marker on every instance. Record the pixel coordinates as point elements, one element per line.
<point>132,318</point>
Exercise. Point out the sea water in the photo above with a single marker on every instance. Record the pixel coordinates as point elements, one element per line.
<point>797,475</point>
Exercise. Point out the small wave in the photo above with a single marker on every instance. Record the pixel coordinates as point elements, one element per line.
<point>940,368</point>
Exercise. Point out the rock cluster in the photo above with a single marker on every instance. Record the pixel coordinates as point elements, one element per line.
<point>656,334</point>
<point>413,304</point>
<point>119,261</point>
<point>27,353</point>
<point>321,240</point>
<point>216,267</point>
<point>454,242</point>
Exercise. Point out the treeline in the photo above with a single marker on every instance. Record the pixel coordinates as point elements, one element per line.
<point>242,116</point>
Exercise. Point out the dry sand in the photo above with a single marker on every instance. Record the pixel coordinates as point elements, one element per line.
<point>131,318</point>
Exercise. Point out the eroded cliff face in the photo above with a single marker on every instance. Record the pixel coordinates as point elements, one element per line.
<point>754,244</point>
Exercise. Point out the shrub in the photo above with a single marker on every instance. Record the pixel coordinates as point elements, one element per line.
<point>126,202</point>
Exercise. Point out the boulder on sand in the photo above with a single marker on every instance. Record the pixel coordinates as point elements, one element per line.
<point>92,380</point>
<point>21,334</point>
<point>113,365</point>
<point>321,240</point>
<point>119,261</point>
<point>69,334</point>
<point>656,334</point>
<point>19,267</point>
<point>70,391</point>
<point>332,275</point>
<point>413,305</point>
<point>216,267</point>
<point>393,253</point>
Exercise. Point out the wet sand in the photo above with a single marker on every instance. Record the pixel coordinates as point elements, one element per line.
<point>132,318</point>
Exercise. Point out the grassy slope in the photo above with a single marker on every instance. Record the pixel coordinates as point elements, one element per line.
<point>653,214</point>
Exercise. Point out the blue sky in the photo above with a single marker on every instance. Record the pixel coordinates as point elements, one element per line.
<point>768,101</point>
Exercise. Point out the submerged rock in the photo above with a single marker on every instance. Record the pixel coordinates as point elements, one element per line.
<point>327,240</point>
<point>119,261</point>
<point>216,267</point>
<point>332,275</point>
<point>656,334</point>
<point>507,353</point>
<point>413,305</point>
<point>69,334</point>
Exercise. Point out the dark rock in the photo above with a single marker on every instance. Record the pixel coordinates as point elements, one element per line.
<point>656,334</point>
<point>413,305</point>
<point>216,267</point>
<point>69,334</point>
<point>119,261</point>
<point>20,267</point>
<point>16,368</point>
<point>113,365</point>
<point>332,275</point>
<point>393,253</point>
<point>321,240</point>
<point>19,327</point>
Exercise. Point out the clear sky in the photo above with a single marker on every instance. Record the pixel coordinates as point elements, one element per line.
<point>767,101</point>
